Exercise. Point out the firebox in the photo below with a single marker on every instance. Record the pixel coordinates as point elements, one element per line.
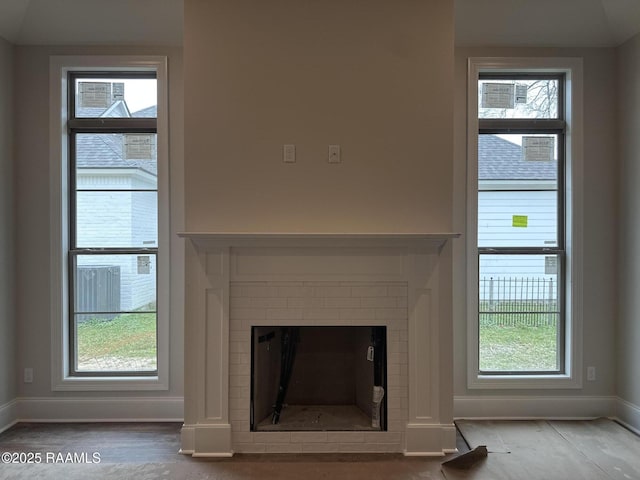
<point>318,378</point>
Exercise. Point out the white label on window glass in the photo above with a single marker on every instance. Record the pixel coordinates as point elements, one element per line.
<point>538,149</point>
<point>94,94</point>
<point>144,265</point>
<point>550,265</point>
<point>139,147</point>
<point>521,93</point>
<point>497,95</point>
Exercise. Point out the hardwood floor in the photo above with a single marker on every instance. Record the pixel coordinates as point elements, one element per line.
<point>531,450</point>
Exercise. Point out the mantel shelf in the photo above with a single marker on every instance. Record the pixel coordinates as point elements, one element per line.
<point>241,239</point>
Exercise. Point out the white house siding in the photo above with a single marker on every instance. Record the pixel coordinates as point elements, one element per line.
<point>495,218</point>
<point>515,276</point>
<point>128,219</point>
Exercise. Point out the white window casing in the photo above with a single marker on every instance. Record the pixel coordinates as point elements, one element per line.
<point>572,375</point>
<point>60,66</point>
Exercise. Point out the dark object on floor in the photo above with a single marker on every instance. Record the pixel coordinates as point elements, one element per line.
<point>467,460</point>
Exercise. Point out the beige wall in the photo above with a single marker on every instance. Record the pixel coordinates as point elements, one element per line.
<point>372,76</point>
<point>629,230</point>
<point>600,216</point>
<point>8,367</point>
<point>32,187</point>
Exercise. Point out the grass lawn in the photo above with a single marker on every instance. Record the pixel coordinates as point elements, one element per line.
<point>124,343</point>
<point>518,347</point>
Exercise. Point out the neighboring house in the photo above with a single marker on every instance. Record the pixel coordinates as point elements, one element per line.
<point>501,170</point>
<point>114,172</point>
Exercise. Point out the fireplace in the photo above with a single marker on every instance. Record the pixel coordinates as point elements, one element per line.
<point>318,378</point>
<point>246,292</point>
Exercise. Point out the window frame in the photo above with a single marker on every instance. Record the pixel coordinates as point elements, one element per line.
<point>61,194</point>
<point>571,68</point>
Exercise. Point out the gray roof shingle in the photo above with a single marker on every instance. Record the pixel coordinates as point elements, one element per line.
<point>106,150</point>
<point>500,159</point>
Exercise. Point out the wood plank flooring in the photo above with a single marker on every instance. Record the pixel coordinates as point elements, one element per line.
<point>585,450</point>
<point>531,450</point>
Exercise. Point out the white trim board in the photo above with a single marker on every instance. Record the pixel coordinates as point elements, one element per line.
<point>628,414</point>
<point>533,407</point>
<point>131,409</point>
<point>8,415</point>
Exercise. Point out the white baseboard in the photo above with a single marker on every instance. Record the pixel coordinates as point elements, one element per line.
<point>533,407</point>
<point>628,414</point>
<point>8,415</point>
<point>92,409</point>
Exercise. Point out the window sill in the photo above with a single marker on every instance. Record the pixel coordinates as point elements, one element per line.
<point>101,384</point>
<point>521,382</point>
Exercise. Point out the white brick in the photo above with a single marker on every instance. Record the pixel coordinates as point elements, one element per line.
<point>239,380</point>
<point>391,313</point>
<point>309,437</point>
<point>284,448</point>
<point>402,302</point>
<point>383,437</point>
<point>335,291</point>
<point>398,291</point>
<point>238,369</point>
<point>320,448</point>
<point>239,347</point>
<point>239,425</point>
<point>345,437</point>
<point>381,448</point>
<point>239,358</point>
<point>272,437</point>
<point>248,313</point>
<point>250,448</point>
<point>241,437</point>
<point>259,291</point>
<point>369,291</point>
<point>268,302</point>
<point>239,336</point>
<point>284,314</point>
<point>321,313</point>
<point>237,414</point>
<point>288,292</point>
<point>239,392</point>
<point>357,314</point>
<point>379,302</point>
<point>342,302</point>
<point>396,414</point>
<point>240,302</point>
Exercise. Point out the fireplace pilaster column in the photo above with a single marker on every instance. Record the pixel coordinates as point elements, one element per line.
<point>207,428</point>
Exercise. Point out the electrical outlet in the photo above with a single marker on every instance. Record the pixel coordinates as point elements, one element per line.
<point>591,374</point>
<point>28,375</point>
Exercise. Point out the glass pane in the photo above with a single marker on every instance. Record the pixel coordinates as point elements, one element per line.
<point>124,343</point>
<point>116,219</point>
<point>519,313</point>
<point>116,161</point>
<point>110,284</point>
<point>518,190</point>
<point>116,97</point>
<point>530,98</point>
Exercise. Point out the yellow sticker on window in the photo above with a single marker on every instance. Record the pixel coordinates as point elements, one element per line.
<point>520,221</point>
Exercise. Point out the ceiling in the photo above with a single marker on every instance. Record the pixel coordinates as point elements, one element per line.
<point>554,23</point>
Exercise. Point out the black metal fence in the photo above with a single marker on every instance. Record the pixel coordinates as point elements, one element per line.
<point>518,301</point>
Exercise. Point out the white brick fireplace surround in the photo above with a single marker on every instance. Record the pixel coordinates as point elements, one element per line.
<point>237,281</point>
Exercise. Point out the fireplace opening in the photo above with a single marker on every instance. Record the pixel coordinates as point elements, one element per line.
<point>313,378</point>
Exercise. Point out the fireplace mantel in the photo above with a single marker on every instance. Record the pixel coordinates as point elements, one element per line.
<point>246,239</point>
<point>238,280</point>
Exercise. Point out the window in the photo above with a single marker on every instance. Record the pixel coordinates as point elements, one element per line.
<point>113,223</point>
<point>109,220</point>
<point>523,326</point>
